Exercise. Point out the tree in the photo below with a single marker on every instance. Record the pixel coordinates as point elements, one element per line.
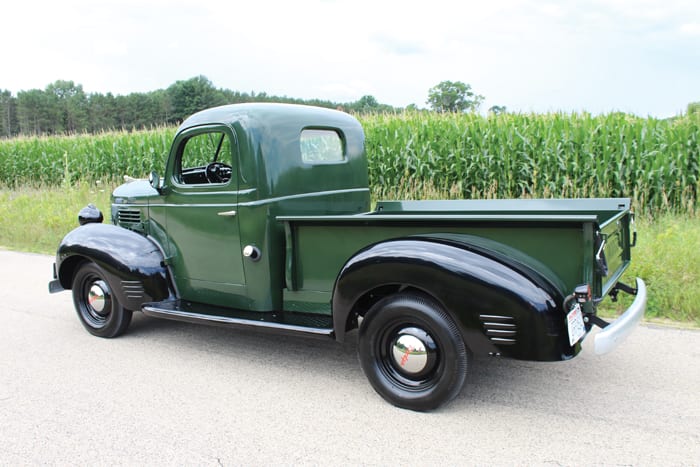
<point>449,96</point>
<point>36,112</point>
<point>8,114</point>
<point>497,109</point>
<point>367,104</point>
<point>193,95</point>
<point>71,104</point>
<point>102,112</point>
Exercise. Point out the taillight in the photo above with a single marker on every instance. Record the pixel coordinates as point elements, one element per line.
<point>583,293</point>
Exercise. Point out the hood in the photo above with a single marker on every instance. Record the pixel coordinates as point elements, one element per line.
<point>133,191</point>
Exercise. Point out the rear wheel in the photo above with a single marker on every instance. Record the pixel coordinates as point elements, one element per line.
<point>98,308</point>
<point>412,352</point>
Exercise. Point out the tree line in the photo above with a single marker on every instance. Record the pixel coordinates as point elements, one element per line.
<point>64,107</point>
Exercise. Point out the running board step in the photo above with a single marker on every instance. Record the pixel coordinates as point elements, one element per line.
<point>281,322</point>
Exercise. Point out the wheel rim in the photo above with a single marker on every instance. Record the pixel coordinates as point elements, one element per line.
<point>96,301</point>
<point>409,356</point>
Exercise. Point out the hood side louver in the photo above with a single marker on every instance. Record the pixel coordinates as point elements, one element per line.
<point>128,216</point>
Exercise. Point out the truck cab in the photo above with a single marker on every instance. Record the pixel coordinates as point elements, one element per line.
<point>261,220</point>
<point>231,171</point>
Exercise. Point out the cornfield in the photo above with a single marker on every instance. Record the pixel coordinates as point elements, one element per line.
<point>655,162</point>
<point>68,160</point>
<point>426,155</point>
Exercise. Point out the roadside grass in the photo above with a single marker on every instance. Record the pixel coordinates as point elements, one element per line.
<point>35,219</point>
<point>667,258</point>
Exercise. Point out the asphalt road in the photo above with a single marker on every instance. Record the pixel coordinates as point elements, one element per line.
<point>174,393</point>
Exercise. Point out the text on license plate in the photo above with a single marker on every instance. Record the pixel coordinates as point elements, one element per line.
<point>575,324</point>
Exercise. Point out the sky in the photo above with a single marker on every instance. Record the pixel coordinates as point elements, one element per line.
<point>636,56</point>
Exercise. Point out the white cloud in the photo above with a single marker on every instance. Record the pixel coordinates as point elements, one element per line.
<point>690,29</point>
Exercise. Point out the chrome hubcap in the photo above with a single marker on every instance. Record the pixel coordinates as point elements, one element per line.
<point>410,354</point>
<point>97,298</point>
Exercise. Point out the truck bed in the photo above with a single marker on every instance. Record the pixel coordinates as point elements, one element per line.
<point>561,238</point>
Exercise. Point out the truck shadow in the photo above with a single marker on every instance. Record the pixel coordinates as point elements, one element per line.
<point>491,381</point>
<point>287,350</point>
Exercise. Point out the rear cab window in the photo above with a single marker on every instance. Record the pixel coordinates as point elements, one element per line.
<point>321,146</point>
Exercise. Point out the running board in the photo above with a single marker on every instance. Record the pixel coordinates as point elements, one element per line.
<point>308,324</point>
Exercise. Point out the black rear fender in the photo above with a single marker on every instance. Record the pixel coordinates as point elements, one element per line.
<point>483,294</point>
<point>134,264</point>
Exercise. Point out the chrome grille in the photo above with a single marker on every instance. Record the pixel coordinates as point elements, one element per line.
<point>500,329</point>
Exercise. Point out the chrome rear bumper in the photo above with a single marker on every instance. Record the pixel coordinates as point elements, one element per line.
<point>617,331</point>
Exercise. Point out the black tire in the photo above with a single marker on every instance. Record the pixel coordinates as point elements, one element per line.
<point>98,308</point>
<point>391,356</point>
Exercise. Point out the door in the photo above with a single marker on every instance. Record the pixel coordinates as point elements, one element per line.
<point>202,218</point>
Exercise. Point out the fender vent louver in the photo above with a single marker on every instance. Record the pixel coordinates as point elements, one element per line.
<point>129,216</point>
<point>500,329</point>
<point>133,289</point>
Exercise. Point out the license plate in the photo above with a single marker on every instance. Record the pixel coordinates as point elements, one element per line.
<point>575,323</point>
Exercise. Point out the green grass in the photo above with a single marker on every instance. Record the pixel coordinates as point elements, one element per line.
<point>36,219</point>
<point>667,256</point>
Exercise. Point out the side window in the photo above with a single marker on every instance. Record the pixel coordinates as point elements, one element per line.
<point>321,146</point>
<point>205,158</point>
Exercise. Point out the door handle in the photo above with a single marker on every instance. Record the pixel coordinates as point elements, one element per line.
<point>227,213</point>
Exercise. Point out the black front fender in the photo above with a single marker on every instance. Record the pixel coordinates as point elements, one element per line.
<point>133,263</point>
<point>483,293</point>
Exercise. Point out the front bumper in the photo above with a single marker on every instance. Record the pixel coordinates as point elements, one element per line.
<point>55,285</point>
<point>616,332</point>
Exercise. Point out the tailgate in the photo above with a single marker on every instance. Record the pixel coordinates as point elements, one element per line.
<point>612,244</point>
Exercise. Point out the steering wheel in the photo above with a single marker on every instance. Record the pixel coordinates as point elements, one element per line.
<point>216,172</point>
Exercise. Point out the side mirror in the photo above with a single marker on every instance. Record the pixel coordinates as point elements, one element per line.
<point>154,180</point>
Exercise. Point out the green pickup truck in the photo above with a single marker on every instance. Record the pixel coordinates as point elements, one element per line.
<point>262,220</point>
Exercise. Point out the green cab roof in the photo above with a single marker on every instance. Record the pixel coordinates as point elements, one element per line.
<point>270,115</point>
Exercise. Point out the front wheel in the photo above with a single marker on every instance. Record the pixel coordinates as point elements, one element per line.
<point>412,352</point>
<point>98,308</point>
